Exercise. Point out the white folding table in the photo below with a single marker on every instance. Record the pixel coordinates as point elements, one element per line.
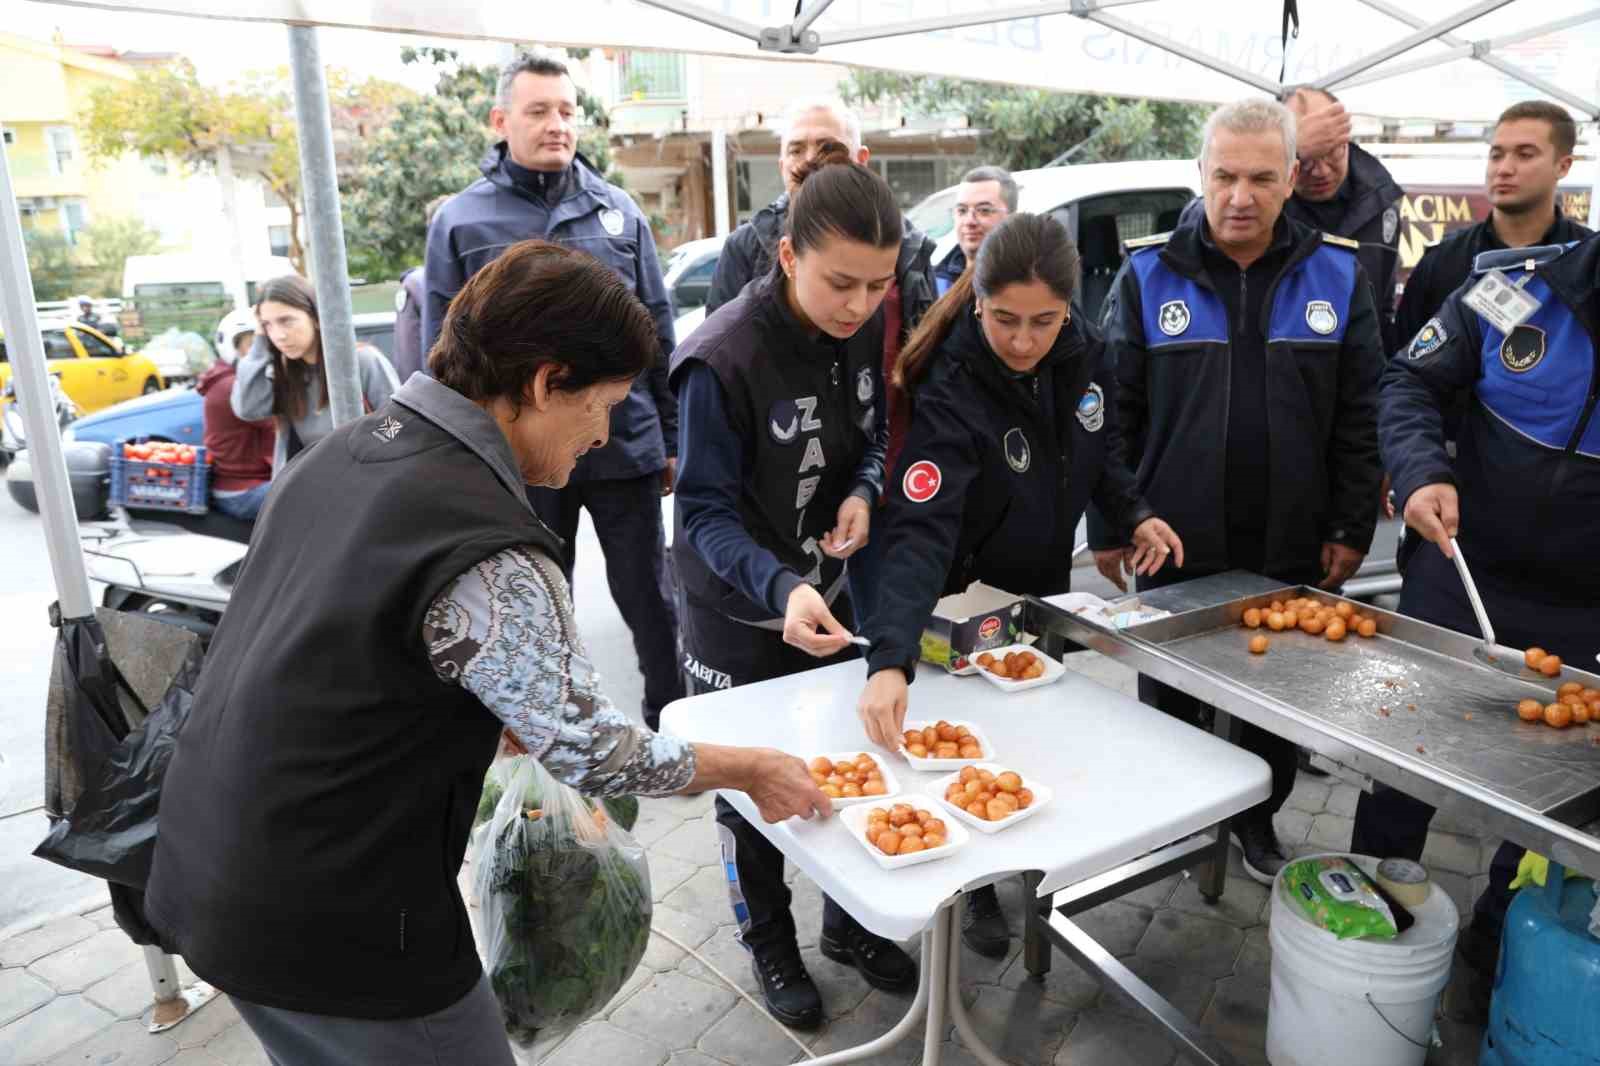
<point>1128,781</point>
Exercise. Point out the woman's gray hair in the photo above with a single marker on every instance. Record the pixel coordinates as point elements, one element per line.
<point>831,104</point>
<point>1252,116</point>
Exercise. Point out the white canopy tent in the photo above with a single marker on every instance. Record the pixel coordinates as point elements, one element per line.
<point>1432,59</point>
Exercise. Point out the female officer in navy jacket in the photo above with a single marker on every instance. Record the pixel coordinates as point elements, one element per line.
<point>781,427</point>
<point>1008,444</point>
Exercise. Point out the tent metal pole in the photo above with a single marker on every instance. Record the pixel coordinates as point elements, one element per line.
<point>20,320</point>
<point>1406,44</point>
<point>699,14</point>
<point>1482,50</point>
<point>1506,67</point>
<point>719,181</point>
<point>1594,186</point>
<point>806,18</point>
<point>320,183</point>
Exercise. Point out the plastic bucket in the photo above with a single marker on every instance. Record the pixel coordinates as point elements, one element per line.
<point>1335,1002</point>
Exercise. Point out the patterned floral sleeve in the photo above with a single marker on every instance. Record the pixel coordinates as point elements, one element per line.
<point>504,631</point>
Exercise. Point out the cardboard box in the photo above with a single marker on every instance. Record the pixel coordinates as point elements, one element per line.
<point>966,623</point>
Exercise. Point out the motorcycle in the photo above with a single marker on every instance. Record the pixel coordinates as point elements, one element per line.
<point>178,568</point>
<point>13,433</point>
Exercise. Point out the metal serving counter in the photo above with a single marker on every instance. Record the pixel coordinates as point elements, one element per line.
<point>1411,707</point>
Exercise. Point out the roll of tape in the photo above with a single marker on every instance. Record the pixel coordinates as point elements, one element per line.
<point>1405,880</point>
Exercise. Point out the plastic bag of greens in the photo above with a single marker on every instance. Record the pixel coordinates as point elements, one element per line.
<point>564,896</point>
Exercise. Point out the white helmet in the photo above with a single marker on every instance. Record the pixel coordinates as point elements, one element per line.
<point>233,323</point>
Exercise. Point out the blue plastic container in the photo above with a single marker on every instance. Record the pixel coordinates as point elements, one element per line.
<point>140,483</point>
<point>1546,1005</point>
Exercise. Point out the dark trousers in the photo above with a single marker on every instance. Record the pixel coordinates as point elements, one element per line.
<point>720,653</point>
<point>1390,823</point>
<point>863,568</point>
<point>627,520</point>
<point>1280,754</point>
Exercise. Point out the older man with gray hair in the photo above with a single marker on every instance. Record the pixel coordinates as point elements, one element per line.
<point>1248,354</point>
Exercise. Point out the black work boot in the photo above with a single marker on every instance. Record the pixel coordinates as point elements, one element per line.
<point>791,995</point>
<point>983,927</point>
<point>882,962</point>
<point>1263,857</point>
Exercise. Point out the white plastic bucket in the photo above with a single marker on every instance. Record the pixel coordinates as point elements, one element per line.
<point>1336,1002</point>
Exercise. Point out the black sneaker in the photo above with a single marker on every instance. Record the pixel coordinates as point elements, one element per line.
<point>1263,858</point>
<point>983,927</point>
<point>882,962</point>
<point>791,995</point>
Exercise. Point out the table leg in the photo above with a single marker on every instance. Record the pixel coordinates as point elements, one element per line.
<point>1035,919</point>
<point>958,1010</point>
<point>935,962</point>
<point>930,998</point>
<point>1214,877</point>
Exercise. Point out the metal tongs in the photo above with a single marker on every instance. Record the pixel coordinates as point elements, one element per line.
<point>1509,660</point>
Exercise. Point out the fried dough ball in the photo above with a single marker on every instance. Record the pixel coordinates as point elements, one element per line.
<point>1291,619</point>
<point>986,776</point>
<point>1571,699</point>
<point>978,810</point>
<point>1277,605</point>
<point>909,845</point>
<point>912,828</point>
<point>973,788</point>
<point>947,749</point>
<point>1334,630</point>
<point>851,790</point>
<point>1024,798</point>
<point>930,736</point>
<point>917,750</point>
<point>971,751</point>
<point>1368,627</point>
<point>1530,710</point>
<point>1276,621</point>
<point>888,842</point>
<point>946,730</point>
<point>995,810</point>
<point>1533,657</point>
<point>911,736</point>
<point>1252,618</point>
<point>1571,688</point>
<point>1581,713</point>
<point>1035,670</point>
<point>962,732</point>
<point>1006,800</point>
<point>934,827</point>
<point>1313,624</point>
<point>999,669</point>
<point>820,779</point>
<point>968,773</point>
<point>986,660</point>
<point>822,765</point>
<point>1343,610</point>
<point>1008,781</point>
<point>901,813</point>
<point>874,831</point>
<point>1550,665</point>
<point>1558,715</point>
<point>932,840</point>
<point>1258,645</point>
<point>831,791</point>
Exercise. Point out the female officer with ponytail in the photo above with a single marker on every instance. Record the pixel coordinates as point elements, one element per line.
<point>780,463</point>
<point>1008,444</point>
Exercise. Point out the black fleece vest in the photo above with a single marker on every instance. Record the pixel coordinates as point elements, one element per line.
<point>317,809</point>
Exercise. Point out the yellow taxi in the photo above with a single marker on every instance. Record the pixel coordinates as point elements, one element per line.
<point>92,369</point>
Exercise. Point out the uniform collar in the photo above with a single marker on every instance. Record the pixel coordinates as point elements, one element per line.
<point>467,423</point>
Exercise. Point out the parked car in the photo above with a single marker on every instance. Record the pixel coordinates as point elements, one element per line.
<point>176,414</point>
<point>93,369</point>
<point>688,275</point>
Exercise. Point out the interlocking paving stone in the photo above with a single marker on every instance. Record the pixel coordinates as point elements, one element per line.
<point>1103,1038</point>
<point>1240,903</point>
<point>688,929</point>
<point>1255,958</point>
<point>656,820</point>
<point>1201,945</point>
<point>742,1036</point>
<point>54,1027</point>
<point>668,874</point>
<point>126,993</point>
<point>74,968</point>
<point>693,1058</point>
<point>237,1046</point>
<point>103,917</point>
<point>1190,993</point>
<point>603,1044</point>
<point>1238,1012</point>
<point>705,894</point>
<point>1156,894</point>
<point>206,1023</point>
<point>1065,983</point>
<point>1309,795</point>
<point>1330,832</point>
<point>723,950</point>
<point>876,1015</point>
<point>1022,1026</point>
<point>35,944</point>
<point>1116,926</point>
<point>673,1010</point>
<point>126,1043</point>
<point>20,993</point>
<point>693,842</point>
<point>1447,851</point>
<point>1292,827</point>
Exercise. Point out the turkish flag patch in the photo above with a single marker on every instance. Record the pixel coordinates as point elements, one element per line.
<point>921,482</point>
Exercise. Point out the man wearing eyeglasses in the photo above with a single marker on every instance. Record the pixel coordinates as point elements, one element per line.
<point>983,200</point>
<point>1345,191</point>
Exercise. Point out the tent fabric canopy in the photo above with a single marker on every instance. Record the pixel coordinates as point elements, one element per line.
<point>1445,60</point>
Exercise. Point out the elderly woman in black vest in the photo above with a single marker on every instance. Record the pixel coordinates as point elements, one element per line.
<point>401,607</point>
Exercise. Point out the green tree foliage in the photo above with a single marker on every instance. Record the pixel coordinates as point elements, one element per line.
<point>52,265</point>
<point>1026,128</point>
<point>169,112</point>
<point>432,146</point>
<point>108,243</point>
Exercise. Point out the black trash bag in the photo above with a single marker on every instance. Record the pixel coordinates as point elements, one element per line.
<point>107,760</point>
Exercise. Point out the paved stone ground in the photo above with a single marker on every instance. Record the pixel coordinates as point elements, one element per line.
<point>75,990</point>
